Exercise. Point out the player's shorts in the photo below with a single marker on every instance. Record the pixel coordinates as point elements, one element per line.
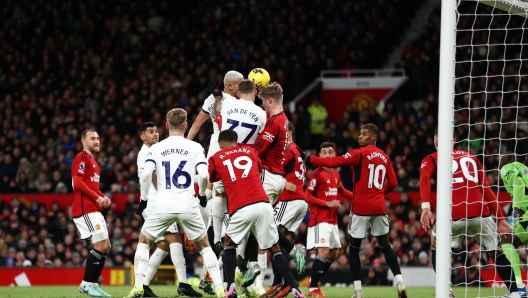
<point>358,225</point>
<point>520,229</point>
<point>257,219</point>
<point>92,226</point>
<point>273,185</point>
<point>173,229</point>
<point>225,224</point>
<point>483,228</point>
<point>191,222</point>
<point>323,235</point>
<point>290,214</point>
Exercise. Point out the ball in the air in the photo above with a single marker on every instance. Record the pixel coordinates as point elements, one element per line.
<point>260,77</point>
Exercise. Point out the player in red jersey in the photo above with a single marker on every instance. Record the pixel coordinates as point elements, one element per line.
<point>373,178</point>
<point>470,214</point>
<point>248,207</point>
<point>87,200</point>
<point>322,192</point>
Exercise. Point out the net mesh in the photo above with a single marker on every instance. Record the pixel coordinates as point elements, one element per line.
<point>491,107</point>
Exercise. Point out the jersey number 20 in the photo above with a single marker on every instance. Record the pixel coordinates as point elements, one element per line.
<point>237,163</point>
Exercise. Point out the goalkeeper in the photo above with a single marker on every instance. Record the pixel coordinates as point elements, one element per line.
<point>514,174</point>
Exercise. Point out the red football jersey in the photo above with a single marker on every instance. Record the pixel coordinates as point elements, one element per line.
<point>293,166</point>
<point>86,170</point>
<point>323,185</point>
<point>373,178</point>
<point>271,143</point>
<point>239,169</point>
<point>470,185</point>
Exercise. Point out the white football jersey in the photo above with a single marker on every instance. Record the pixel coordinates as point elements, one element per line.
<point>141,158</point>
<point>176,159</point>
<point>208,108</point>
<point>244,117</point>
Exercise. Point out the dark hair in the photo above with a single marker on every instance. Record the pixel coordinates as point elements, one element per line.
<point>228,136</point>
<point>246,87</point>
<point>83,134</point>
<point>326,145</point>
<point>143,127</point>
<point>517,147</point>
<point>291,126</point>
<point>371,127</point>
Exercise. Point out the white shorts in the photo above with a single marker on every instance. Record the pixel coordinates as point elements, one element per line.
<point>257,219</point>
<point>323,235</point>
<point>225,224</point>
<point>191,222</point>
<point>173,229</point>
<point>483,228</point>
<point>290,214</point>
<point>92,226</point>
<point>358,225</point>
<point>273,185</point>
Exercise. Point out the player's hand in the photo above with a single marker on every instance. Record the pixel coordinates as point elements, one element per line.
<point>504,227</point>
<point>100,201</point>
<point>203,200</point>
<point>427,219</point>
<point>107,202</point>
<point>333,204</point>
<point>141,206</point>
<point>213,89</point>
<point>290,187</point>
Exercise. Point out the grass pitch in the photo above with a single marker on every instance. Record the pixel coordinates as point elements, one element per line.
<point>170,291</point>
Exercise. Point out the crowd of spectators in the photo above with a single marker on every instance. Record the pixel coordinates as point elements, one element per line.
<point>66,66</point>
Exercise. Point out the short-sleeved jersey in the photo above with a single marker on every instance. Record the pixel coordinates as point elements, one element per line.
<point>323,185</point>
<point>239,169</point>
<point>509,174</point>
<point>244,117</point>
<point>207,108</point>
<point>86,167</point>
<point>373,176</point>
<point>467,197</point>
<point>141,158</point>
<point>176,159</point>
<point>271,143</point>
<point>295,170</point>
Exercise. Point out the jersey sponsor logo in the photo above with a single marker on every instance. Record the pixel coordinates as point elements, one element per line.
<point>81,167</point>
<point>268,137</point>
<point>95,178</point>
<point>331,192</point>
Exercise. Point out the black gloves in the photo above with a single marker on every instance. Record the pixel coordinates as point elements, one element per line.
<point>213,89</point>
<point>203,200</point>
<point>142,205</point>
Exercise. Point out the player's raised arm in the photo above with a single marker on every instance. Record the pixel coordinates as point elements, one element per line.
<point>348,159</point>
<point>198,122</point>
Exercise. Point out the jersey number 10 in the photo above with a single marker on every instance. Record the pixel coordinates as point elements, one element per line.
<point>376,176</point>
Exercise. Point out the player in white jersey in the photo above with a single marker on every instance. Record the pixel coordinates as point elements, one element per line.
<point>175,161</point>
<point>148,132</point>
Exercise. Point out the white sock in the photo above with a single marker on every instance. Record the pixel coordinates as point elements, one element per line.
<point>155,260</point>
<point>141,260</point>
<point>211,263</point>
<point>241,248</point>
<point>220,267</point>
<point>85,283</point>
<point>357,285</point>
<point>398,277</point>
<point>263,263</point>
<point>176,251</point>
<point>218,218</point>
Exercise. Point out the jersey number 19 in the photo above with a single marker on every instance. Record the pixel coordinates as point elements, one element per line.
<point>237,164</point>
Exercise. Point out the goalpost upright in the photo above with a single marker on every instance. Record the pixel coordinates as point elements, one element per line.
<point>445,151</point>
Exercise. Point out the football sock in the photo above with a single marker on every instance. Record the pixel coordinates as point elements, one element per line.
<point>505,272</point>
<point>327,265</point>
<point>211,263</point>
<point>284,269</point>
<point>230,264</point>
<point>513,256</point>
<point>176,251</point>
<point>355,266</point>
<point>277,277</point>
<point>391,259</point>
<point>433,257</point>
<point>252,248</point>
<point>284,242</point>
<point>141,260</point>
<point>155,260</point>
<point>92,264</point>
<point>100,268</point>
<point>218,217</point>
<point>317,271</point>
<point>263,263</point>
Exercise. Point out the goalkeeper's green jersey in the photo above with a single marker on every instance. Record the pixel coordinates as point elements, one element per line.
<point>516,174</point>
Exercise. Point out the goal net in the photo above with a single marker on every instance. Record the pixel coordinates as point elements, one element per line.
<point>490,108</point>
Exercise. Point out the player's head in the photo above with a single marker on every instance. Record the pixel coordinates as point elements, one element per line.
<point>148,132</point>
<point>327,149</point>
<point>90,141</point>
<point>247,90</point>
<point>516,150</point>
<point>436,137</point>
<point>291,129</point>
<point>272,98</point>
<point>227,138</point>
<point>177,120</point>
<point>368,135</point>
<point>231,80</point>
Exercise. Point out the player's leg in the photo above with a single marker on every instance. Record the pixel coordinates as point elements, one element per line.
<point>325,257</point>
<point>217,210</point>
<point>357,229</point>
<point>161,252</point>
<point>509,246</point>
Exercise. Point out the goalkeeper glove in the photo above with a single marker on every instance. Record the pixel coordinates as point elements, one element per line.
<point>512,221</point>
<point>203,200</point>
<point>213,89</point>
<point>142,205</point>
